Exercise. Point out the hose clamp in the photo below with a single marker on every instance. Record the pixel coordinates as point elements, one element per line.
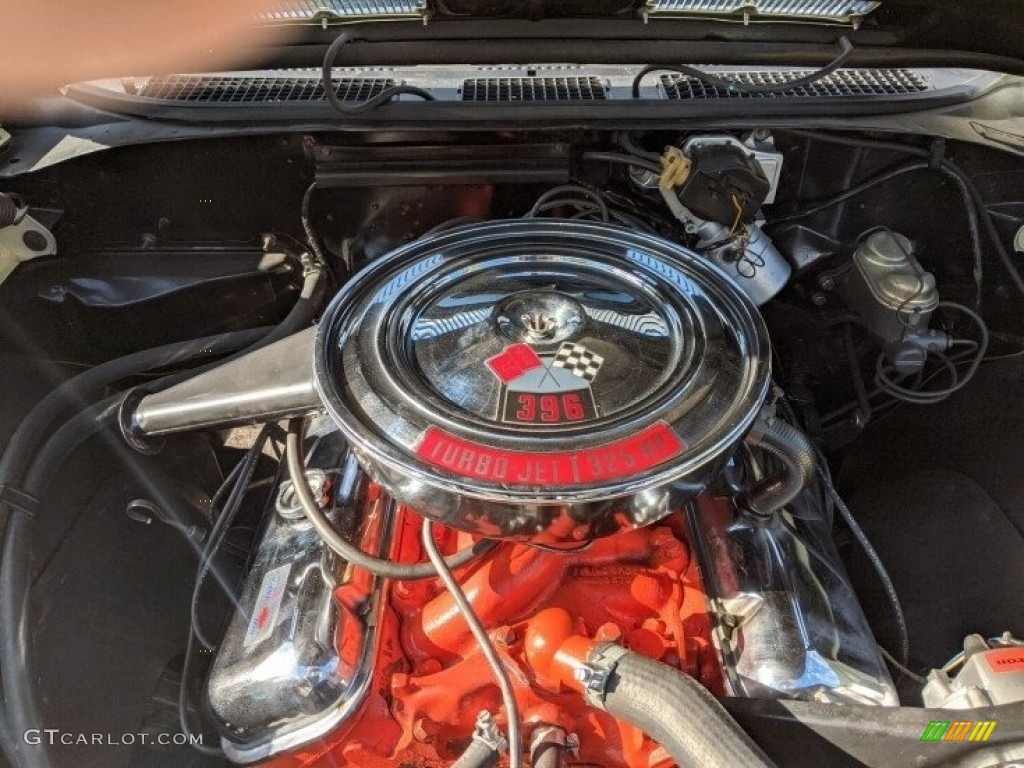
<point>310,265</point>
<point>595,674</point>
<point>16,498</point>
<point>487,733</point>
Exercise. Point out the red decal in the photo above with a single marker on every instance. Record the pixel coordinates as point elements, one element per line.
<point>1006,660</point>
<point>653,446</point>
<point>263,618</point>
<point>561,408</point>
<point>514,362</point>
<point>549,408</point>
<point>527,408</point>
<point>573,407</point>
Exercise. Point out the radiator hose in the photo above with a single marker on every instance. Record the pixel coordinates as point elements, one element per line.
<point>672,708</point>
<point>477,755</point>
<point>796,453</point>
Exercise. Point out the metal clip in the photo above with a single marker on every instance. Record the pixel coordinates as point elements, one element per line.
<point>594,675</point>
<point>488,733</point>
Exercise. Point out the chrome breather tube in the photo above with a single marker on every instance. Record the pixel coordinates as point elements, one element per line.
<point>267,384</point>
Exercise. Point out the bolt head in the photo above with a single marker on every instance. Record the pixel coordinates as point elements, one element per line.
<point>609,632</point>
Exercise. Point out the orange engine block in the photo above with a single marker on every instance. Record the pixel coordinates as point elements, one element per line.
<point>640,589</point>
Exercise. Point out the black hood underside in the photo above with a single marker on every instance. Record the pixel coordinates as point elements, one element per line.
<point>980,26</point>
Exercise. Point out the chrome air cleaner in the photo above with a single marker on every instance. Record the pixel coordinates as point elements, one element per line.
<point>551,380</point>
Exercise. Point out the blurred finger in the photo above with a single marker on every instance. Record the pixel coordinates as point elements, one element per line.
<point>44,45</point>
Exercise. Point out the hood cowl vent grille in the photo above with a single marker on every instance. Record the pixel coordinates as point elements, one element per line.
<point>844,83</point>
<point>348,10</point>
<point>534,89</point>
<point>205,89</point>
<point>839,11</point>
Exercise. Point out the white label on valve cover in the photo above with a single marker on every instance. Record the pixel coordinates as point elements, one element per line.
<point>268,603</point>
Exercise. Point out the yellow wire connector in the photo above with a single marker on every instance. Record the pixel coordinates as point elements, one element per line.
<point>675,168</point>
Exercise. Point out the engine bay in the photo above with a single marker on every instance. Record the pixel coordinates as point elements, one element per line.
<point>536,448</point>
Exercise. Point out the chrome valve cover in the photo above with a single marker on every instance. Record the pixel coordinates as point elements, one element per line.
<point>551,380</point>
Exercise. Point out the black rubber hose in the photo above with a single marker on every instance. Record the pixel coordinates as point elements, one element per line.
<point>340,545</point>
<point>902,653</point>
<point>327,81</point>
<point>859,143</point>
<point>631,160</point>
<point>966,183</point>
<point>733,86</point>
<point>19,697</point>
<point>303,312</point>
<point>795,451</point>
<point>15,582</point>
<point>8,210</point>
<point>678,713</point>
<point>15,576</point>
<point>76,392</point>
<point>852,192</point>
<point>972,205</point>
<point>307,224</point>
<point>627,143</point>
<point>15,569</point>
<point>477,755</point>
<point>6,737</point>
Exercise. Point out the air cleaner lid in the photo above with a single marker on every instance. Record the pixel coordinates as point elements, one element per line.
<point>540,360</point>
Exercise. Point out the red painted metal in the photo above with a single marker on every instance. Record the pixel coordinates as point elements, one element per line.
<point>544,611</point>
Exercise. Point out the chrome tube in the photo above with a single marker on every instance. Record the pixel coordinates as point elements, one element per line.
<point>268,384</point>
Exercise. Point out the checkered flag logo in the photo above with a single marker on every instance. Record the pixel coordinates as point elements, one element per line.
<point>578,360</point>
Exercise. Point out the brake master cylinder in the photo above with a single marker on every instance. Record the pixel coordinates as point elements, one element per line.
<point>895,297</point>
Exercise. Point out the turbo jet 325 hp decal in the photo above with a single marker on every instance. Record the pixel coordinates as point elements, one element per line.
<point>549,389</point>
